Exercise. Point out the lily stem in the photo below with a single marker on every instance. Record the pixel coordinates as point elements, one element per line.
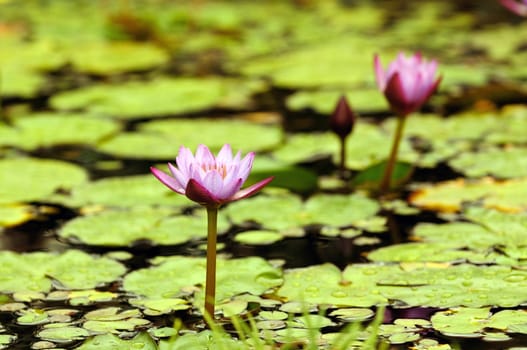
<point>342,166</point>
<point>390,165</point>
<point>210,282</point>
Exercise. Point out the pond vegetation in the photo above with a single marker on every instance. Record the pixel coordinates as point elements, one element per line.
<point>96,253</point>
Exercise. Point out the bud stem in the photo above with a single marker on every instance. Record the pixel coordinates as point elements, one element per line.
<point>210,282</point>
<point>390,165</point>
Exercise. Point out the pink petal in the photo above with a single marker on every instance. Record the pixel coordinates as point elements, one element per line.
<point>246,166</point>
<point>230,189</point>
<point>167,180</point>
<point>178,175</point>
<point>213,182</point>
<point>224,155</point>
<point>516,6</point>
<point>204,156</point>
<point>184,159</point>
<point>249,191</point>
<point>380,76</point>
<point>199,194</point>
<point>396,96</point>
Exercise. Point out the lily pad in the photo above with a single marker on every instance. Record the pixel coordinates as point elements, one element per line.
<point>123,192</point>
<point>367,146</point>
<point>27,179</point>
<point>501,163</point>
<point>169,276</point>
<point>449,196</point>
<point>101,58</point>
<point>142,341</point>
<point>161,139</point>
<point>125,227</point>
<point>45,130</point>
<point>472,322</point>
<point>63,334</point>
<point>159,97</point>
<point>15,214</point>
<point>285,211</point>
<point>72,269</point>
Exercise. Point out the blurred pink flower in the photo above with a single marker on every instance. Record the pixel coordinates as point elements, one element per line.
<point>208,180</point>
<point>342,120</point>
<point>407,83</point>
<point>519,7</point>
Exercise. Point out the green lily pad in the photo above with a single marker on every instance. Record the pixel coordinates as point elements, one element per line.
<point>502,163</point>
<point>142,341</point>
<point>160,97</point>
<point>161,139</point>
<point>71,269</point>
<point>82,297</point>
<point>240,134</point>
<point>32,317</point>
<point>285,211</point>
<point>125,227</point>
<point>169,276</point>
<point>159,306</point>
<point>449,196</point>
<point>113,320</point>
<point>325,284</point>
<point>116,57</point>
<point>457,285</point>
<point>6,340</point>
<point>27,179</point>
<point>202,340</point>
<point>324,101</point>
<point>123,192</point>
<point>444,251</point>
<point>258,237</point>
<point>367,146</point>
<point>471,322</point>
<point>47,129</point>
<point>15,214</point>
<point>63,334</point>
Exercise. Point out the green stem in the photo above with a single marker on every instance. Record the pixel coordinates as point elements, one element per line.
<point>390,165</point>
<point>342,155</point>
<point>210,281</point>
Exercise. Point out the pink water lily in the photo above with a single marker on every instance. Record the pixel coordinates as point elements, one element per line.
<point>208,180</point>
<point>516,6</point>
<point>407,83</point>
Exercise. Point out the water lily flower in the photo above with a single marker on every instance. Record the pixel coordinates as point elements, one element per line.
<point>341,123</point>
<point>516,6</point>
<point>208,180</point>
<point>407,83</point>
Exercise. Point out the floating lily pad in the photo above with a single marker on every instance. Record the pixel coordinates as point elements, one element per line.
<point>63,334</point>
<point>160,97</point>
<point>170,275</point>
<point>161,139</point>
<point>142,341</point>
<point>202,340</point>
<point>502,163</point>
<point>27,179</point>
<point>6,340</point>
<point>258,237</point>
<point>116,57</point>
<point>285,211</point>
<point>471,322</point>
<point>458,285</point>
<point>444,251</point>
<point>125,227</point>
<point>449,196</point>
<point>47,129</point>
<point>72,269</point>
<point>113,320</point>
<point>82,297</point>
<point>367,146</point>
<point>325,284</point>
<point>15,214</point>
<point>159,306</point>
<point>324,101</point>
<point>123,192</point>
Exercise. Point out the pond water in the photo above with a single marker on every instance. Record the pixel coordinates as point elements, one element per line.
<point>96,253</point>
